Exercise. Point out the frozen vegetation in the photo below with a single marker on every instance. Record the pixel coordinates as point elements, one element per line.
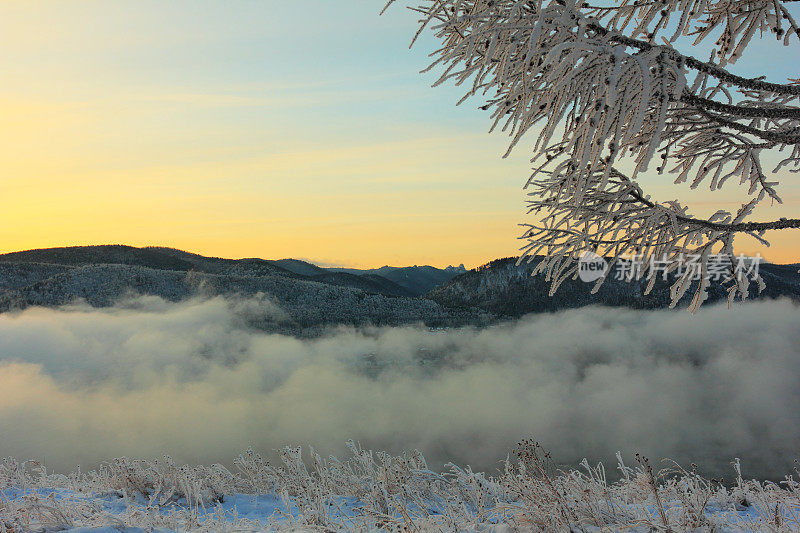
<point>377,491</point>
<point>606,94</point>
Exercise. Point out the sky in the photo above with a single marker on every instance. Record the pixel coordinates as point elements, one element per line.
<point>266,129</point>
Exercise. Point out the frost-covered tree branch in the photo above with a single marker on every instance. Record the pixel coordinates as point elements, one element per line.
<point>600,86</point>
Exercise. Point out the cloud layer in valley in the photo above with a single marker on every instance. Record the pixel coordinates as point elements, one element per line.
<point>81,385</point>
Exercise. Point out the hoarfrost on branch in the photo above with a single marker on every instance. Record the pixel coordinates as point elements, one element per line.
<point>602,84</point>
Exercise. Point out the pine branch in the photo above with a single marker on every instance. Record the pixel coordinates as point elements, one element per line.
<point>705,67</point>
<point>773,137</point>
<point>741,111</point>
<point>749,227</point>
<point>595,96</point>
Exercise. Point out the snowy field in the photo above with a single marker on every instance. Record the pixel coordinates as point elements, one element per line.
<point>377,491</point>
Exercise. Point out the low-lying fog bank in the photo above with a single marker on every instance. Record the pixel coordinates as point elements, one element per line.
<point>147,377</point>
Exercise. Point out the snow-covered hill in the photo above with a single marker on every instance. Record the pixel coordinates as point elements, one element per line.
<point>315,297</point>
<point>312,297</point>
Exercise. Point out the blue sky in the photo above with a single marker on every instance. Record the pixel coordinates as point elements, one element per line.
<point>260,128</point>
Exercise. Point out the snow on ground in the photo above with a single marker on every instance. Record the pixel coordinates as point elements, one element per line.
<point>377,491</point>
<point>258,512</point>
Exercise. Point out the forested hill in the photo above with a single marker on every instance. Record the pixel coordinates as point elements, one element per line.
<point>506,289</point>
<point>389,281</point>
<point>103,275</point>
<point>311,297</point>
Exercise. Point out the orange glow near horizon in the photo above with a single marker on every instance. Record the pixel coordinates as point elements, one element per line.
<point>227,132</point>
<point>342,203</point>
<point>71,178</point>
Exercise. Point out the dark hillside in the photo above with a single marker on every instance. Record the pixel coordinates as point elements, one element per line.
<point>506,289</point>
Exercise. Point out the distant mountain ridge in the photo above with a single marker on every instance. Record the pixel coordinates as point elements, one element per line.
<point>314,297</point>
<point>417,279</point>
<point>403,281</point>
